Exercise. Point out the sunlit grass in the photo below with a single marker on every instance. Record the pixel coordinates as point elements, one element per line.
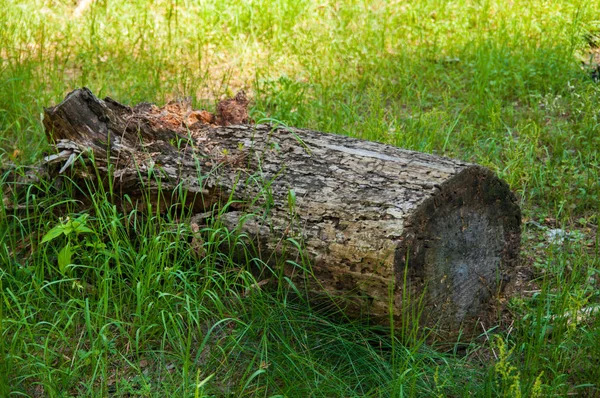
<point>497,83</point>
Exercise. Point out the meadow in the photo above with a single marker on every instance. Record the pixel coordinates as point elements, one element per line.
<point>137,312</point>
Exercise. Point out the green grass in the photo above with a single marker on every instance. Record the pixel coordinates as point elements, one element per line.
<point>144,314</point>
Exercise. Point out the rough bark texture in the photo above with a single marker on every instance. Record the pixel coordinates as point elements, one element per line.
<point>374,220</point>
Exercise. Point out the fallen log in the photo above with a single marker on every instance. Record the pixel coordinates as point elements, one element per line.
<point>381,226</point>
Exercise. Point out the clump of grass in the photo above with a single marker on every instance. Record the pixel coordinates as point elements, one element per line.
<point>108,301</point>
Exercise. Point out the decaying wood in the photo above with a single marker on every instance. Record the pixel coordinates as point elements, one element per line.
<point>379,225</point>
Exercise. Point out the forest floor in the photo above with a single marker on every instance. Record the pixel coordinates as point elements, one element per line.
<point>129,308</point>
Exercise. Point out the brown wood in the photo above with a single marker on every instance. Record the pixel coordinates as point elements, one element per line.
<point>364,212</point>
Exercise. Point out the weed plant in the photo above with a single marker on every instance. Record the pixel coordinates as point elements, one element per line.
<point>102,301</point>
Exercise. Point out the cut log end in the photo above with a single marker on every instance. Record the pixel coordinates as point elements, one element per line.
<point>459,249</point>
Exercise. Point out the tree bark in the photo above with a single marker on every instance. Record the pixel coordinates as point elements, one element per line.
<point>387,229</point>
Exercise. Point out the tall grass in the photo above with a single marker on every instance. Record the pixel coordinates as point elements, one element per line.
<point>145,312</point>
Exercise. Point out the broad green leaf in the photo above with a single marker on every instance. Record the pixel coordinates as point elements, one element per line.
<point>53,233</point>
<point>82,229</point>
<point>64,258</point>
<point>78,224</point>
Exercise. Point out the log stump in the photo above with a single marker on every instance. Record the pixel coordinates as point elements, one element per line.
<point>380,226</point>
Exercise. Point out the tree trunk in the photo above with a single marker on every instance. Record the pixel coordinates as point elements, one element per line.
<point>379,225</point>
